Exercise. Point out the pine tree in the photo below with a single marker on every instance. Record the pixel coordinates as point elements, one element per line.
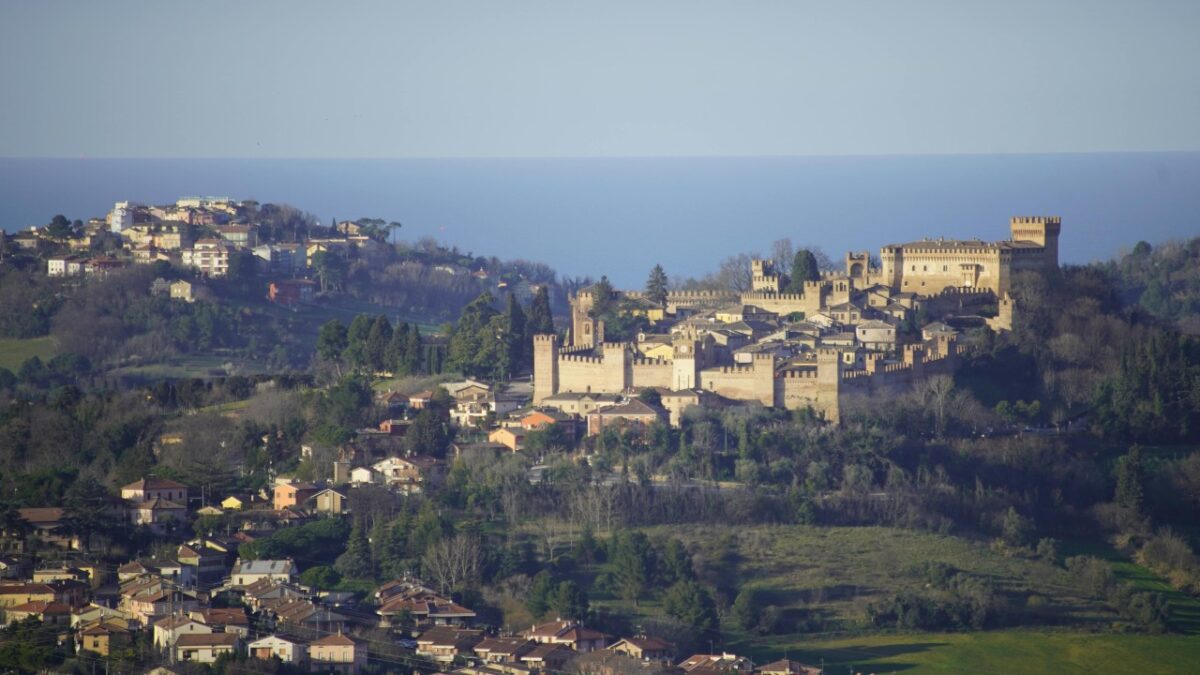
<point>804,268</point>
<point>395,350</point>
<point>541,320</point>
<point>331,341</point>
<point>414,353</point>
<point>518,339</point>
<point>378,339</point>
<point>355,563</point>
<point>570,601</point>
<point>656,286</point>
<point>1129,479</point>
<point>356,341</point>
<point>603,298</point>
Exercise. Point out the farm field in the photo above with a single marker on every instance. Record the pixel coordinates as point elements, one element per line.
<point>14,352</point>
<point>1007,651</point>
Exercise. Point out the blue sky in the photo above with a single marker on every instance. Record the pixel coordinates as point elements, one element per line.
<point>612,78</point>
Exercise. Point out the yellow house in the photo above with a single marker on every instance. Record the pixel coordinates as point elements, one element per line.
<point>233,503</point>
<point>656,350</point>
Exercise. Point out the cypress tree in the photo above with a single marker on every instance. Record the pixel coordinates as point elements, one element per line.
<point>541,320</point>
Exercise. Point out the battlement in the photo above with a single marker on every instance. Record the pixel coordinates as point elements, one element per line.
<point>809,374</point>
<point>549,338</point>
<point>795,297</point>
<point>656,361</point>
<point>578,358</point>
<point>1037,220</point>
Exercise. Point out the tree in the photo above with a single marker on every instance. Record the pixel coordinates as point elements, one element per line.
<point>745,608</point>
<point>331,340</point>
<point>473,342</point>
<point>1130,478</point>
<point>59,227</point>
<point>427,434</point>
<point>1017,529</point>
<point>331,270</point>
<point>675,563</point>
<point>633,564</point>
<point>603,298</point>
<point>541,319</point>
<point>356,341</point>
<point>355,563</point>
<point>379,337</point>
<point>570,601</point>
<point>453,564</point>
<point>656,286</point>
<point>804,268</point>
<point>541,594</point>
<point>517,343</point>
<point>689,602</point>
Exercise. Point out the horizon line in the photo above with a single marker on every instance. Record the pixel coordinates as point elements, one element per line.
<point>1048,153</point>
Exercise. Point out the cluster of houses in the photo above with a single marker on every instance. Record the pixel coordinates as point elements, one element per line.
<point>258,609</point>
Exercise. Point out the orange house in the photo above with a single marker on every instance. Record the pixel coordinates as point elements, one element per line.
<point>292,494</point>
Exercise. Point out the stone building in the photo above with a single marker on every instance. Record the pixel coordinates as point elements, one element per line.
<point>858,353</point>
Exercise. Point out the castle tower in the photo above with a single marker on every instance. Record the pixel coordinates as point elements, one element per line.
<point>829,383</point>
<point>763,277</point>
<point>858,264</point>
<point>684,366</point>
<point>582,325</point>
<point>545,367</point>
<point>1042,230</point>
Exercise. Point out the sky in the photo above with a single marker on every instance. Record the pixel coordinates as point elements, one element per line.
<point>450,78</point>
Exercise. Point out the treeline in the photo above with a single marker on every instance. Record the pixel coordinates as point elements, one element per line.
<point>372,345</point>
<point>497,345</point>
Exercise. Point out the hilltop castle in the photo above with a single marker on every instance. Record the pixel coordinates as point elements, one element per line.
<point>837,338</point>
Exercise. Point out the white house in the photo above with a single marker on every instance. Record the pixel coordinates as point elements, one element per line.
<point>246,572</point>
<point>288,650</point>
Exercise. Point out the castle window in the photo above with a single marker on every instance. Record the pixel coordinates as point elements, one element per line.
<point>945,268</point>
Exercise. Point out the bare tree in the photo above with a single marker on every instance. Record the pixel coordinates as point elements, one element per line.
<point>453,563</point>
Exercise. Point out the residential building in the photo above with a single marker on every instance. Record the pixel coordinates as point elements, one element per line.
<point>292,494</point>
<point>283,648</point>
<point>645,648</point>
<point>155,488</point>
<point>169,629</point>
<point>337,653</point>
<point>291,292</point>
<point>512,438</point>
<point>103,638</point>
<point>569,633</point>
<point>209,256</point>
<point>205,648</point>
<point>246,572</point>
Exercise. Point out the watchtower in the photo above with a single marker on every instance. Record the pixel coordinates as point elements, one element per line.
<point>1041,230</point>
<point>545,366</point>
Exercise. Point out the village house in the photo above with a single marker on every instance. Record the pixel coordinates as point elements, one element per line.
<point>789,667</point>
<point>169,629</point>
<point>103,638</point>
<point>649,649</point>
<point>283,648</point>
<point>503,649</point>
<point>408,600</point>
<point>48,612</point>
<point>209,256</point>
<point>512,438</point>
<point>443,643</point>
<point>47,525</point>
<point>337,653</point>
<point>159,515</point>
<point>155,488</point>
<point>292,494</point>
<point>632,412</point>
<point>247,572</point>
<point>182,290</point>
<point>569,633</point>
<point>205,648</point>
<point>328,502</point>
<point>731,664</point>
<point>291,292</point>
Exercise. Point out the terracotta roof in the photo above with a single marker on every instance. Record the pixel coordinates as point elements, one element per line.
<point>42,607</point>
<point>153,483</point>
<point>337,640</point>
<point>42,515</point>
<point>207,640</point>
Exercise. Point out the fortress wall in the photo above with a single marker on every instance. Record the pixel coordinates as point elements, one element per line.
<point>786,303</point>
<point>754,383</point>
<point>651,373</point>
<point>591,374</point>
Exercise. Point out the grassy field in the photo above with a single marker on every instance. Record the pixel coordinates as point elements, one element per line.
<point>832,573</point>
<point>15,352</point>
<point>1010,651</point>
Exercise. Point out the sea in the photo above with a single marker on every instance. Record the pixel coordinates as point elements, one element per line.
<point>621,216</point>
